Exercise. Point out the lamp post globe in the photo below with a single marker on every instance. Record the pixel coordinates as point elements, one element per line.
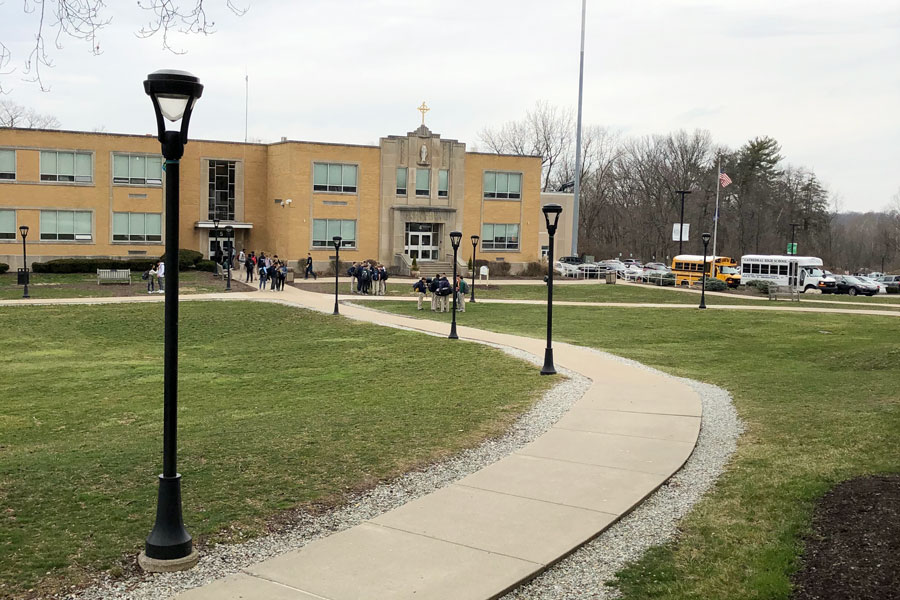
<point>336,240</point>
<point>551,216</point>
<point>475,239</point>
<point>23,230</point>
<point>229,238</point>
<point>455,239</point>
<point>169,546</point>
<point>705,237</point>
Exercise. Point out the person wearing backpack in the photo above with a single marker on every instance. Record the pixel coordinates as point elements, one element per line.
<point>462,289</point>
<point>444,291</point>
<point>376,280</point>
<point>365,279</point>
<point>433,284</point>
<point>151,279</point>
<point>420,287</point>
<point>248,269</point>
<point>382,279</point>
<point>351,273</point>
<point>263,275</point>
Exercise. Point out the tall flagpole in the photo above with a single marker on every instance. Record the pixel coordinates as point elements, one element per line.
<point>577,199</point>
<point>246,102</point>
<point>716,218</point>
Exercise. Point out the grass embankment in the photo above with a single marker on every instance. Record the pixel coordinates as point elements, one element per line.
<point>818,392</point>
<point>84,285</point>
<point>278,408</point>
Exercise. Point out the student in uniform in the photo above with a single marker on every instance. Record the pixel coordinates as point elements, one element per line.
<point>420,287</point>
<point>433,284</point>
<point>461,289</point>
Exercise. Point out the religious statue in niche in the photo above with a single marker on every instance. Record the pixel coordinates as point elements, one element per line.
<point>423,154</point>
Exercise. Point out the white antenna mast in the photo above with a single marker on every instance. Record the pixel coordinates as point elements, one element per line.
<point>246,101</point>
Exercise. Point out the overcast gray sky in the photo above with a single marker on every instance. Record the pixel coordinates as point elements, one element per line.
<point>823,78</point>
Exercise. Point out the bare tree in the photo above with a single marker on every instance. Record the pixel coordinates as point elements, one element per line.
<point>16,115</point>
<point>84,19</point>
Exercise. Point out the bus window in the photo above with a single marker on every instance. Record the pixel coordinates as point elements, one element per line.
<point>754,268</point>
<point>782,270</point>
<point>763,269</point>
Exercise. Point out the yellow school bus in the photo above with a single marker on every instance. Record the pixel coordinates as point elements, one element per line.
<point>688,269</point>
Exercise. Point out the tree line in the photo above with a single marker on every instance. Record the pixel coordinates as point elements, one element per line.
<point>628,200</point>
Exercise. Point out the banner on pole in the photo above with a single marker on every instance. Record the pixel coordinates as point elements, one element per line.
<point>681,232</point>
<point>792,249</point>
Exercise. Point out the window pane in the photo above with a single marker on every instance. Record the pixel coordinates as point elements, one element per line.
<point>83,222</point>
<point>120,167</point>
<point>334,175</point>
<point>401,177</point>
<point>65,222</point>
<point>515,184</point>
<point>334,228</point>
<point>7,161</point>
<point>136,223</point>
<point>320,176</point>
<point>490,182</point>
<point>153,224</point>
<point>120,225</point>
<point>319,228</point>
<point>422,181</point>
<point>443,179</point>
<point>48,221</point>
<point>137,167</point>
<point>48,163</point>
<point>83,166</point>
<point>66,163</point>
<point>154,169</point>
<point>348,231</point>
<point>487,232</point>
<point>349,175</point>
<point>502,183</point>
<point>7,221</point>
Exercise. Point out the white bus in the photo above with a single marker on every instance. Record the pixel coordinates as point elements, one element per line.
<point>801,273</point>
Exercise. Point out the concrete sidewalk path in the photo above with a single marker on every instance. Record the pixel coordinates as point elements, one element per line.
<point>483,535</point>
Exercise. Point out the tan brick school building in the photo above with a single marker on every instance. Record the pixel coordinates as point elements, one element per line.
<point>101,195</point>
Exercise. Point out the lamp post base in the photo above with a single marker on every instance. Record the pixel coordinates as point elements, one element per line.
<point>169,540</point>
<point>153,565</point>
<point>453,335</point>
<point>548,368</point>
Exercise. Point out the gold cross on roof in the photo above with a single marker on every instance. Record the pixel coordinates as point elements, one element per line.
<point>423,109</point>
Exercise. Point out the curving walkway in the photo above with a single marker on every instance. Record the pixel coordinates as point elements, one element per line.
<point>486,533</point>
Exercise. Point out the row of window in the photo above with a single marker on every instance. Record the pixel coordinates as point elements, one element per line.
<point>423,182</point>
<point>755,268</point>
<point>500,236</point>
<point>78,167</point>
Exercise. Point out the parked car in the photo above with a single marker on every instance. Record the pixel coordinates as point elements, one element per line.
<point>630,262</point>
<point>848,284</point>
<point>891,282</point>
<point>615,265</point>
<point>571,260</point>
<point>657,266</point>
<point>591,270</point>
<point>882,289</point>
<point>565,269</point>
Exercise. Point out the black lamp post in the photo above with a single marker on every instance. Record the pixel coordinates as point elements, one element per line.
<point>681,222</point>
<point>555,210</point>
<point>169,545</point>
<point>455,239</point>
<point>705,237</point>
<point>475,239</point>
<point>229,237</point>
<point>336,240</point>
<point>217,257</point>
<point>25,273</point>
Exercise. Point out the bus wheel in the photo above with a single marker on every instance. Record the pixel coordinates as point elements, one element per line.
<point>684,283</point>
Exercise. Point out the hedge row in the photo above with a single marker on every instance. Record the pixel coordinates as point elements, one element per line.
<point>3,268</point>
<point>187,259</point>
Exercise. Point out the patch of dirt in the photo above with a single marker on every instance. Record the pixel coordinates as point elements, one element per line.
<point>854,549</point>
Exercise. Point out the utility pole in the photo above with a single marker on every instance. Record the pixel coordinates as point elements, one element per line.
<point>577,199</point>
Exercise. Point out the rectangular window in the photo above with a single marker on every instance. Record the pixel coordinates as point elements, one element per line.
<point>443,183</point>
<point>7,224</point>
<point>221,189</point>
<point>137,227</point>
<point>402,173</point>
<point>137,169</point>
<point>67,166</point>
<point>500,236</point>
<point>333,177</point>
<point>423,182</point>
<point>502,185</point>
<point>66,225</point>
<point>324,231</point>
<point>7,164</point>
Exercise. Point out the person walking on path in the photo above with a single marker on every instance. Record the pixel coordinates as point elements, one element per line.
<point>242,257</point>
<point>161,276</point>
<point>309,268</point>
<point>420,288</point>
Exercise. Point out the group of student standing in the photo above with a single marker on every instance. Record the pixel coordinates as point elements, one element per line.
<point>270,270</point>
<point>368,278</point>
<point>441,289</point>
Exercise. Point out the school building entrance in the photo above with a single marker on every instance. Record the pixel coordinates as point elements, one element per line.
<point>422,241</point>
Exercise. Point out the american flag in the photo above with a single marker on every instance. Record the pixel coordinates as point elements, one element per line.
<point>724,179</point>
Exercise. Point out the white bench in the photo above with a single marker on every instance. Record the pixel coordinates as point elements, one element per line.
<point>113,276</point>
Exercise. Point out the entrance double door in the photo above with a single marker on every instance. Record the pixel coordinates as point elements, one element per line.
<point>422,241</point>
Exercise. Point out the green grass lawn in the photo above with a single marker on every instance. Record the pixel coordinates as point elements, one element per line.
<point>820,394</point>
<point>84,285</point>
<point>278,408</point>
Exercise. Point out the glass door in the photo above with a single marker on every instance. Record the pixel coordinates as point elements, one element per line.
<point>422,241</point>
